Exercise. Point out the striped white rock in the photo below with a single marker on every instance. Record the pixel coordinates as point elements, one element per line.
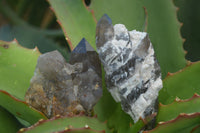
<point>133,74</point>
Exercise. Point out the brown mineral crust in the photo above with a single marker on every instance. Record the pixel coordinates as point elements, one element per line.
<point>36,97</point>
<point>59,108</point>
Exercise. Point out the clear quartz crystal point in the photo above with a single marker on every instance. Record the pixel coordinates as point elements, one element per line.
<point>133,75</point>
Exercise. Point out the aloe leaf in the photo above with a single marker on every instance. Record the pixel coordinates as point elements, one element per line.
<point>168,112</point>
<point>188,14</point>
<point>128,12</point>
<point>19,108</point>
<point>28,35</point>
<point>76,21</point>
<point>17,66</point>
<point>8,123</point>
<point>31,37</point>
<point>58,123</point>
<point>184,123</point>
<point>164,32</point>
<point>182,84</point>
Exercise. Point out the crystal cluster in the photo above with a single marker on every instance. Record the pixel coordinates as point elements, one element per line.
<point>133,74</point>
<point>58,87</point>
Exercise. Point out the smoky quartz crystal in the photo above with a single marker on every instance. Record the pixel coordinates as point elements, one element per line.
<point>58,87</point>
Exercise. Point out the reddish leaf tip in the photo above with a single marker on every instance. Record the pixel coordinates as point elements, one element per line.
<point>177,9</point>
<point>185,52</point>
<point>169,74</point>
<point>189,63</point>
<point>183,40</point>
<point>15,40</point>
<point>52,9</point>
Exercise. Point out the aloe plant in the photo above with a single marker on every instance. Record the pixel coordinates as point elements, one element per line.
<point>178,100</point>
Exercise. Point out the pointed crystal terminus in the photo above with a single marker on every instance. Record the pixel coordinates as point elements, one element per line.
<point>58,87</point>
<point>83,47</point>
<point>85,54</point>
<point>104,30</point>
<point>132,72</point>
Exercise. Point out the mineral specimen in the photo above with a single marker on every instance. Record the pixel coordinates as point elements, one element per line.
<point>58,87</point>
<point>133,74</point>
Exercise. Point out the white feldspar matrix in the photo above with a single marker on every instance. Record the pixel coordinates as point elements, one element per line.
<point>133,74</point>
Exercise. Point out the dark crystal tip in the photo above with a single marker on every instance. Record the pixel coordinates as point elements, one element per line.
<point>83,47</point>
<point>105,19</point>
<point>104,30</point>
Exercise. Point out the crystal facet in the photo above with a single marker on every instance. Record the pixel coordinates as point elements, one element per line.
<point>133,74</point>
<point>58,87</point>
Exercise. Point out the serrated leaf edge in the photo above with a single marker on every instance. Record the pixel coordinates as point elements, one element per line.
<point>41,121</point>
<point>178,100</point>
<point>181,116</point>
<point>189,64</point>
<point>15,42</point>
<point>20,101</point>
<point>79,129</point>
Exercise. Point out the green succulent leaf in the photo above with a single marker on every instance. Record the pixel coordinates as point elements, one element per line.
<point>76,21</point>
<point>20,108</point>
<point>168,112</point>
<point>8,123</point>
<point>28,35</point>
<point>31,37</point>
<point>182,84</point>
<point>188,14</point>
<point>184,123</point>
<point>164,32</point>
<point>17,65</point>
<point>56,124</point>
